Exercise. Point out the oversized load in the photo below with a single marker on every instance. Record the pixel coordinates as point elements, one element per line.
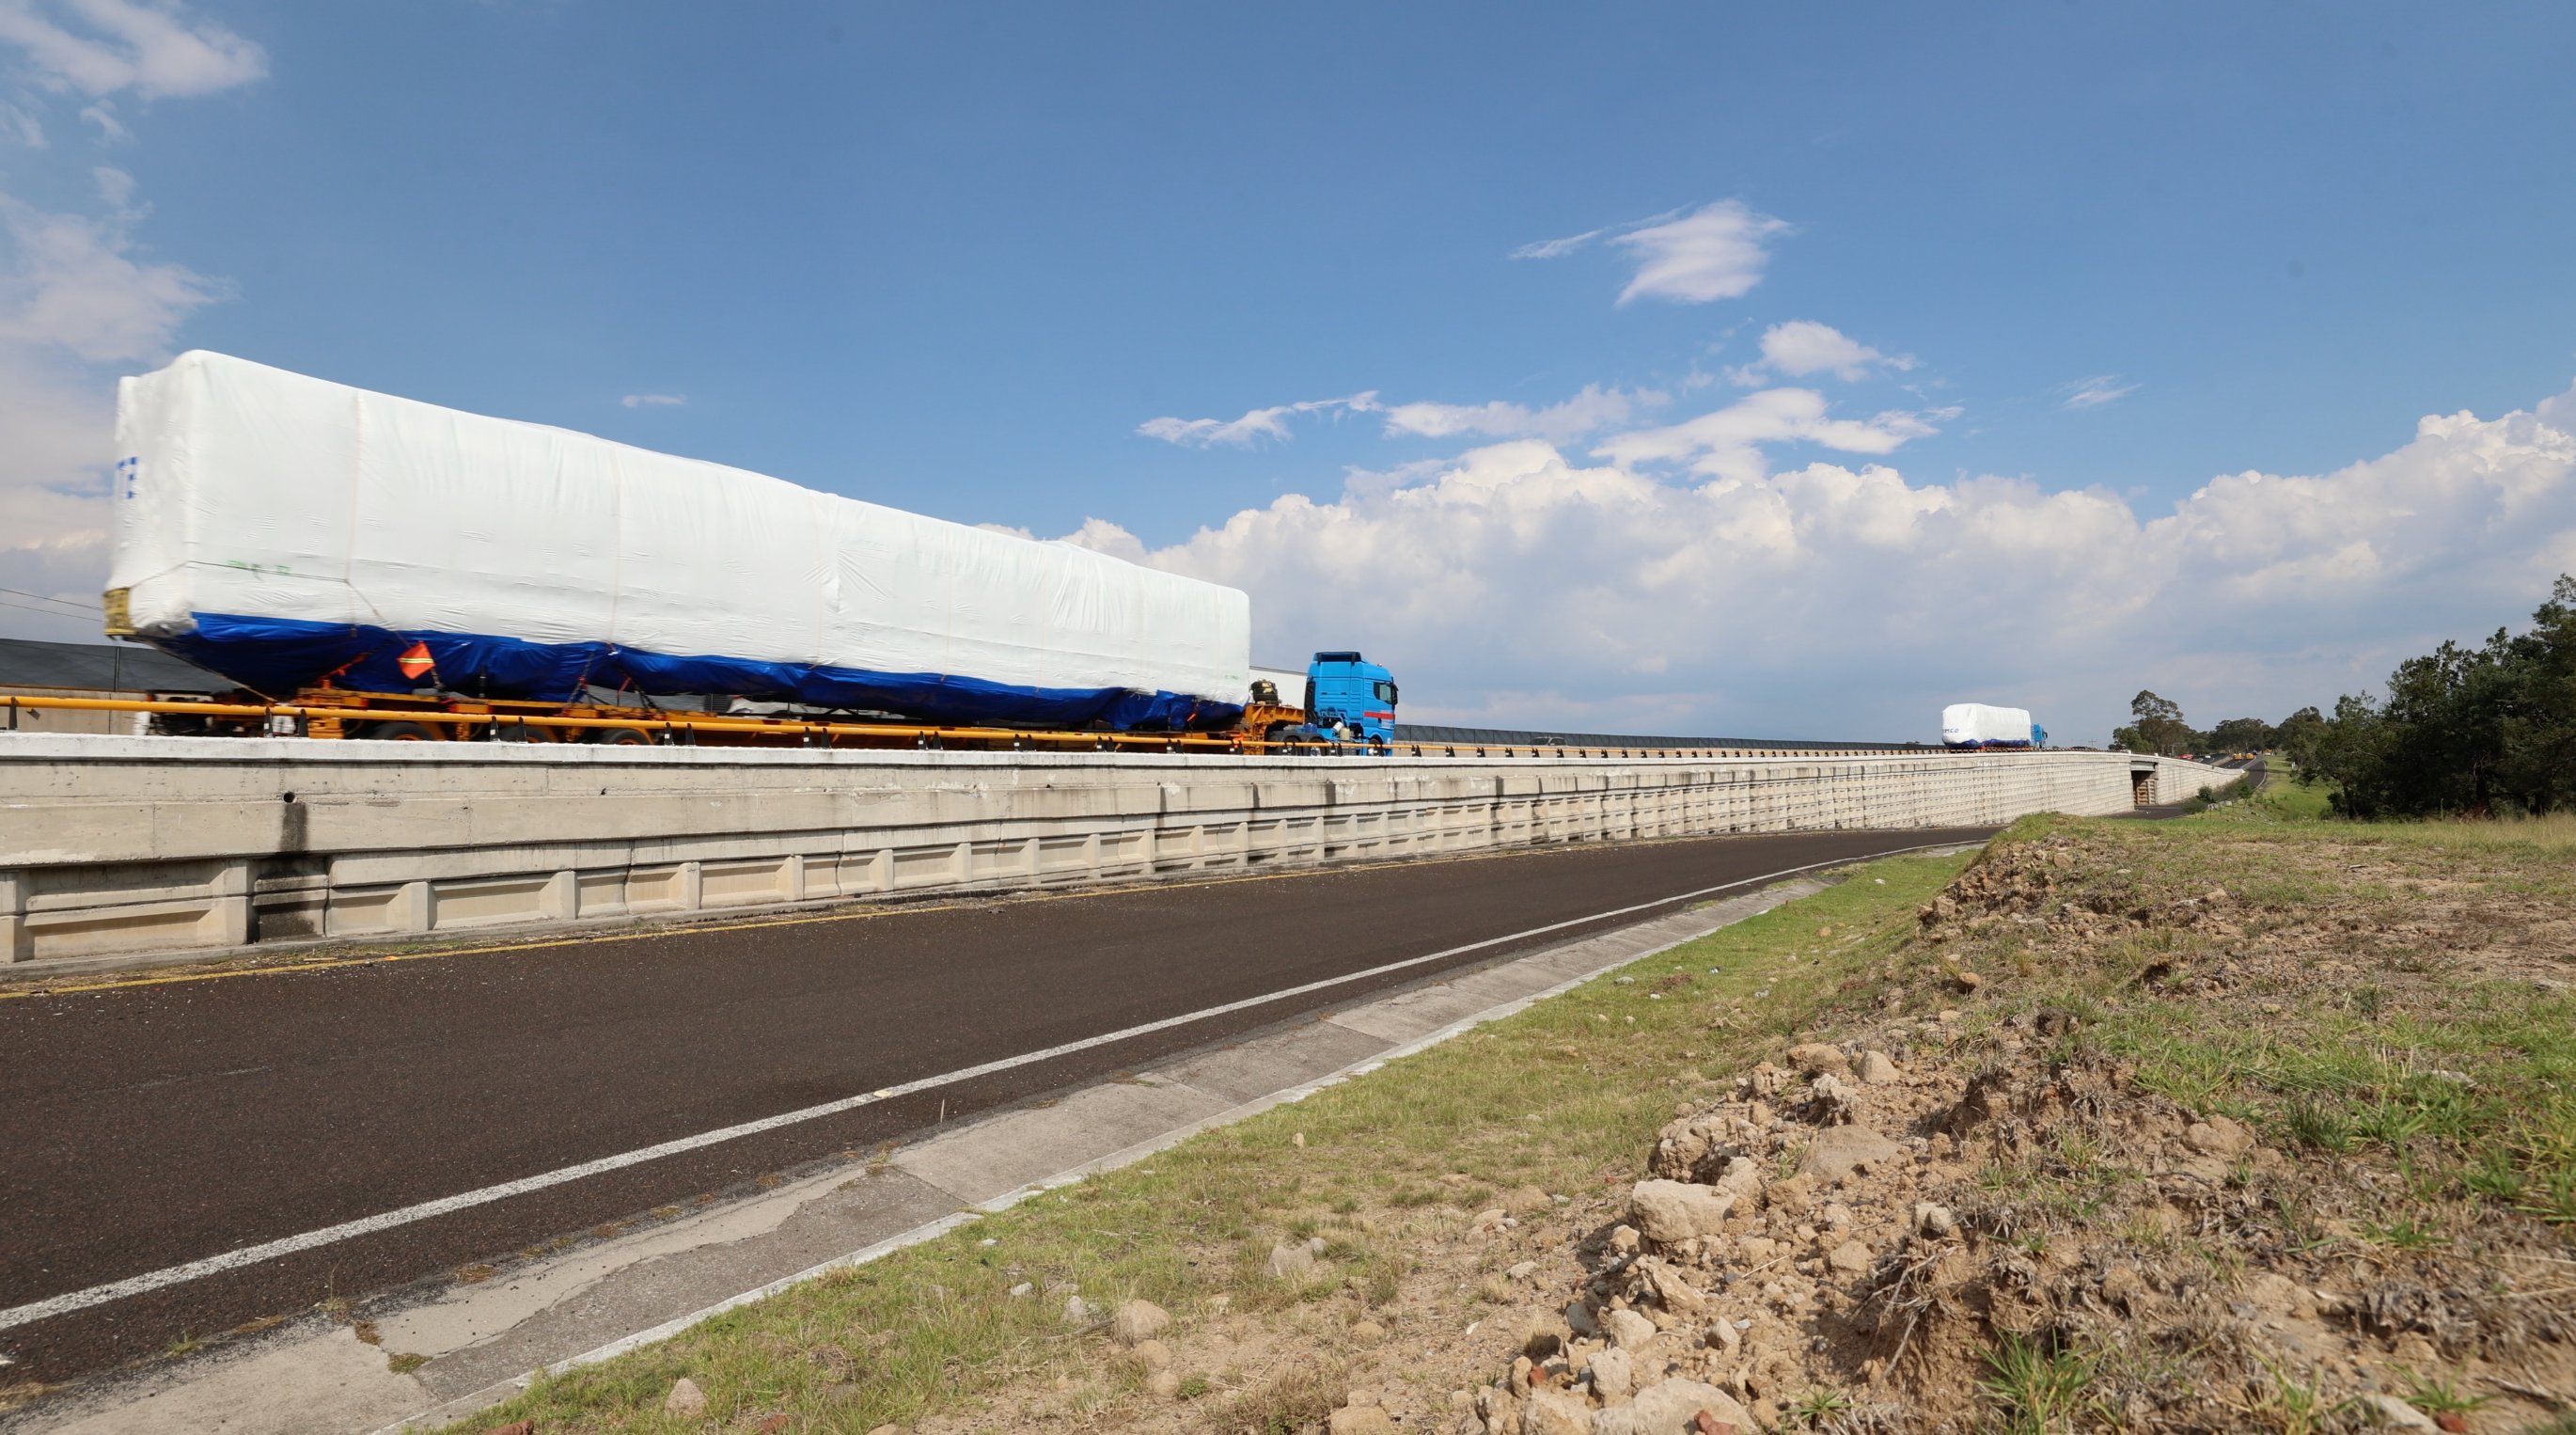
<point>1974,725</point>
<point>282,530</point>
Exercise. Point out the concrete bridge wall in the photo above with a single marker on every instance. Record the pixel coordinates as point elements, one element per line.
<point>119,844</point>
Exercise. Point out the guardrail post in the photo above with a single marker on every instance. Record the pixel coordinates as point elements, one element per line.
<point>231,911</point>
<point>17,944</point>
<point>411,908</point>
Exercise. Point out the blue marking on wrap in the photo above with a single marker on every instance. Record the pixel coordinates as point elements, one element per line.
<point>278,656</point>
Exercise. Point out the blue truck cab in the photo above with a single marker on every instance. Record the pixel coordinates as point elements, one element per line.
<point>1350,699</point>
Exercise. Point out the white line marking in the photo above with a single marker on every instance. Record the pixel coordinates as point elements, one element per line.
<point>70,1301</point>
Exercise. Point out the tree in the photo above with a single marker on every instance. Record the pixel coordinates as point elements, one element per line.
<point>2244,734</point>
<point>2462,730</point>
<point>2296,737</point>
<point>2159,726</point>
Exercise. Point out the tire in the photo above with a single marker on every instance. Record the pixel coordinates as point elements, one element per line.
<point>404,732</point>
<point>622,737</point>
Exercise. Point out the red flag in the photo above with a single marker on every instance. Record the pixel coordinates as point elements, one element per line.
<point>416,661</point>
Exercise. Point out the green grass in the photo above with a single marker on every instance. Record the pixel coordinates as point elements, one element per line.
<point>1563,1095</point>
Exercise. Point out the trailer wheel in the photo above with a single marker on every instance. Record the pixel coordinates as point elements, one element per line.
<point>623,737</point>
<point>403,732</point>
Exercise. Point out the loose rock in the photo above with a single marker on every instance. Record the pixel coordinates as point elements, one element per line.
<point>685,1398</point>
<point>1671,1406</point>
<point>1553,1412</point>
<point>2396,1414</point>
<point>1138,1321</point>
<point>1837,1151</point>
<point>1361,1420</point>
<point>1877,1068</point>
<point>1289,1263</point>
<point>1163,1384</point>
<point>1153,1355</point>
<point>1674,1211</point>
<point>1628,1330</point>
<point>1614,1375</point>
<point>1934,1220</point>
<point>1851,1258</point>
<point>1816,1057</point>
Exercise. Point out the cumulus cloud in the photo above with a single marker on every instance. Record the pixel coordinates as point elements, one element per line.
<point>1714,252</point>
<point>2094,392</point>
<point>81,297</point>
<point>80,285</point>
<point>1803,346</point>
<point>1517,585</point>
<point>654,401</point>
<point>1271,423</point>
<point>103,47</point>
<point>1592,409</point>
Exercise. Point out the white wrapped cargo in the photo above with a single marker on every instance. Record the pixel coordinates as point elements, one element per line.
<point>281,529</point>
<point>1966,725</point>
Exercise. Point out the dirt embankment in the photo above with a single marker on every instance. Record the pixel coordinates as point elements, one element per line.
<point>1912,1228</point>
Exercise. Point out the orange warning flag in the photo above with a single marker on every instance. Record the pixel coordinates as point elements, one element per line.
<point>415,661</point>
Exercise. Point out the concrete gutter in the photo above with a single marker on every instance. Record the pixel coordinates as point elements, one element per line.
<point>485,1341</point>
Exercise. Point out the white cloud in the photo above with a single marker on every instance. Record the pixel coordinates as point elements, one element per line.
<point>76,284</point>
<point>1556,248</point>
<point>1255,424</point>
<point>80,298</point>
<point>1592,409</point>
<point>1516,585</point>
<point>1714,252</point>
<point>1728,442</point>
<point>2094,392</point>
<point>1803,346</point>
<point>103,47</point>
<point>654,401</point>
<point>74,297</point>
<point>110,129</point>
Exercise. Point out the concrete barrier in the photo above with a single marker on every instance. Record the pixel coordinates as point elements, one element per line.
<point>118,845</point>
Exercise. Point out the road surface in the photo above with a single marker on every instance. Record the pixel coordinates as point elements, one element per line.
<point>186,1156</point>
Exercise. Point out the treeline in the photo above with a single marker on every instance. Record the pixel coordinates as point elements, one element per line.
<point>2159,726</point>
<point>2471,732</point>
<point>2462,731</point>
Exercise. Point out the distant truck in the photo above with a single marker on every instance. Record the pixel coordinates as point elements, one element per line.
<point>1341,698</point>
<point>1975,727</point>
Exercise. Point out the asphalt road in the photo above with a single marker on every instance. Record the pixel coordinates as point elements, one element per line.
<point>154,1126</point>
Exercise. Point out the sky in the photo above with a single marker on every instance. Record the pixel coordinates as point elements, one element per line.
<point>1684,369</point>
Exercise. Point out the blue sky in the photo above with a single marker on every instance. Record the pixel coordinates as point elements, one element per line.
<point>955,259</point>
